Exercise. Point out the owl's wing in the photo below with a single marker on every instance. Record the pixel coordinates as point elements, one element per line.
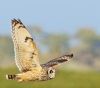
<point>26,53</point>
<point>58,61</point>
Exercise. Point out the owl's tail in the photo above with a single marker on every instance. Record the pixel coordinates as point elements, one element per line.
<point>11,77</point>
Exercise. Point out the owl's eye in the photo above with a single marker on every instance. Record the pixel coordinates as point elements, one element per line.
<point>51,71</point>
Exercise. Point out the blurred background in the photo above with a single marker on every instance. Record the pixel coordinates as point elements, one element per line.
<point>58,27</point>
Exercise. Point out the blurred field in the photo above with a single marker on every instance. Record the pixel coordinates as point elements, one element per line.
<point>86,55</point>
<point>64,79</point>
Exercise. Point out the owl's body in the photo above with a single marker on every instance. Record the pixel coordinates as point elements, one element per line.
<point>31,75</point>
<point>26,57</point>
<point>34,74</point>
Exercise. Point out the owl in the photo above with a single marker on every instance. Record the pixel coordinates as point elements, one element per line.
<point>27,59</point>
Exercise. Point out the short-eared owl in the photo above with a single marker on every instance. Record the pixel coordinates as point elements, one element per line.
<point>26,57</point>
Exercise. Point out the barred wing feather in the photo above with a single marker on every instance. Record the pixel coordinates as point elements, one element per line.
<point>57,61</point>
<point>26,53</point>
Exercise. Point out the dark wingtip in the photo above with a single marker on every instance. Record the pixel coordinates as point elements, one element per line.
<point>14,21</point>
<point>17,21</point>
<point>71,55</point>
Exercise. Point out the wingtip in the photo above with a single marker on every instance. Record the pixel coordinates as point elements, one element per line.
<point>19,21</point>
<point>71,55</point>
<point>13,19</point>
<point>16,21</point>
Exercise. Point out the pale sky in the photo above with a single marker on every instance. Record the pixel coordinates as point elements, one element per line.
<point>53,15</point>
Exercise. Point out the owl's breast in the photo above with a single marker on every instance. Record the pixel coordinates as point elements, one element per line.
<point>38,74</point>
<point>43,75</point>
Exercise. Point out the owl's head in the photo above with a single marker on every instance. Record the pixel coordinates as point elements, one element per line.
<point>51,73</point>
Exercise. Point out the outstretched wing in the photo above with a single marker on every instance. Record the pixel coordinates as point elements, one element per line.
<point>26,53</point>
<point>57,61</point>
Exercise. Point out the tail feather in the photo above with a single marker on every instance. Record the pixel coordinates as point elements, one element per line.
<point>10,77</point>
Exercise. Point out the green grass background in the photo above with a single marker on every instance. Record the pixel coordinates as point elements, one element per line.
<point>63,79</point>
